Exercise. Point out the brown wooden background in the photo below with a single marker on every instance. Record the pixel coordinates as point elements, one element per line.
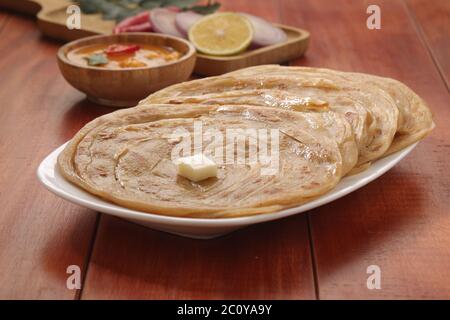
<point>400,222</point>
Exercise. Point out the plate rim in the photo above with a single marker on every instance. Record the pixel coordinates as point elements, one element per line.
<point>98,204</point>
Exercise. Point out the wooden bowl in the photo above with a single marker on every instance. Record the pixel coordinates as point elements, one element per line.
<point>126,87</point>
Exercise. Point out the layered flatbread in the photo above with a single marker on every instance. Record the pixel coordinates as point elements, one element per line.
<point>386,116</point>
<point>293,132</point>
<point>127,157</point>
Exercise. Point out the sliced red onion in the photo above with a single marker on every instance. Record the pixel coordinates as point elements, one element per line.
<point>264,33</point>
<point>184,20</point>
<point>173,8</point>
<point>163,21</point>
<point>143,27</point>
<point>139,19</point>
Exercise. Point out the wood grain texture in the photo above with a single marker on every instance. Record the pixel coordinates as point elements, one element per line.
<point>261,262</point>
<point>3,19</point>
<point>51,18</point>
<point>433,23</point>
<point>399,222</point>
<point>268,261</point>
<point>40,234</point>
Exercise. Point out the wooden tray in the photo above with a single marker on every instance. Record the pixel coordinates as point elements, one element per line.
<point>294,47</point>
<point>51,19</point>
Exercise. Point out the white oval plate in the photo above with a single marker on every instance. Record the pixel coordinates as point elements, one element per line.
<point>49,175</point>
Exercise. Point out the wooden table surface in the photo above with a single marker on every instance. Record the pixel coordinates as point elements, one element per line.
<point>400,222</point>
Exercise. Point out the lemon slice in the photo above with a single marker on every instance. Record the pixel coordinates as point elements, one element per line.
<point>221,34</point>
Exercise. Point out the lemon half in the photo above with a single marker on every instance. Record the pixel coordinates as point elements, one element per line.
<point>221,34</point>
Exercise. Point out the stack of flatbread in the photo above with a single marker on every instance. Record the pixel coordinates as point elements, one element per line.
<point>331,124</point>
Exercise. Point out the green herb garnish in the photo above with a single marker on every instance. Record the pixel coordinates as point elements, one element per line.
<point>96,59</point>
<point>206,9</point>
<point>121,9</point>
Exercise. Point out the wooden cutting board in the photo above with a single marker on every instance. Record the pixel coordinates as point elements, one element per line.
<point>52,16</point>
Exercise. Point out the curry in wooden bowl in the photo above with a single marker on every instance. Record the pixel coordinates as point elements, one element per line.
<point>120,70</point>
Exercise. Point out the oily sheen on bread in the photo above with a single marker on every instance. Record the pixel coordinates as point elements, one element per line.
<point>327,124</point>
<point>385,114</point>
<point>126,157</point>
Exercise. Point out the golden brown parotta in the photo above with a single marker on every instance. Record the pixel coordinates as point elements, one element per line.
<point>126,157</point>
<point>378,109</point>
<point>327,121</point>
<point>415,118</point>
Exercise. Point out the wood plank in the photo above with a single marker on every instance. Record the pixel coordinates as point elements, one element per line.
<point>40,234</point>
<point>400,221</point>
<point>3,19</point>
<point>433,22</point>
<point>268,261</point>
